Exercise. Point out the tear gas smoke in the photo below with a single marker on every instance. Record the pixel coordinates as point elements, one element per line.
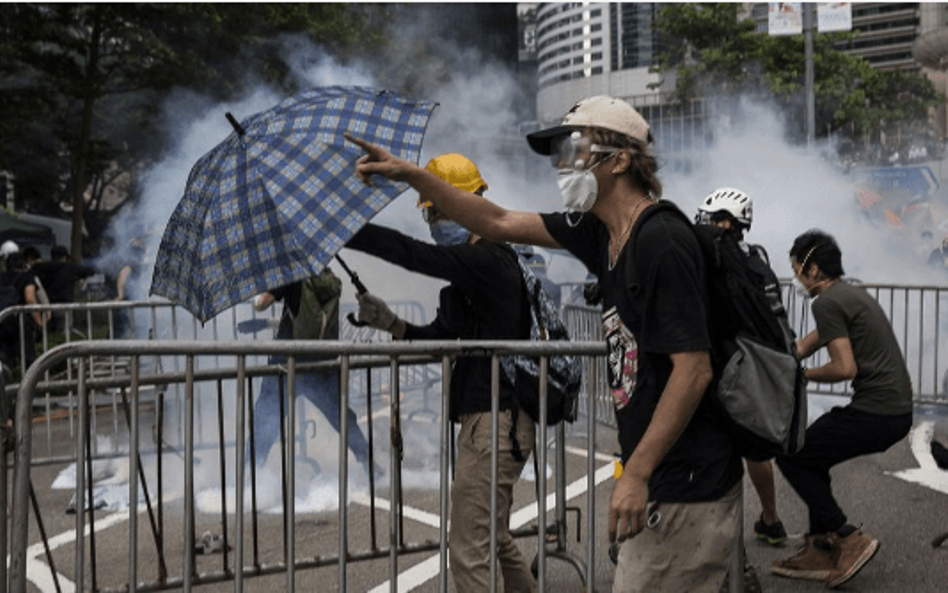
<point>795,189</point>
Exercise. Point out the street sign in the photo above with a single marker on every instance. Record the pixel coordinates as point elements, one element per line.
<point>918,180</point>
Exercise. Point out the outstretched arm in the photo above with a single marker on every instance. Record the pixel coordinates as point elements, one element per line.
<point>473,212</point>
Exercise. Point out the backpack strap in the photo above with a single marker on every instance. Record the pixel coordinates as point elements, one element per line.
<point>760,252</point>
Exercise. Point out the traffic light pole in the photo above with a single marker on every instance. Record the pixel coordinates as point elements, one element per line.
<point>808,26</point>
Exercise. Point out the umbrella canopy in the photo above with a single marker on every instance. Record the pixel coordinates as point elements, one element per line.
<point>275,201</point>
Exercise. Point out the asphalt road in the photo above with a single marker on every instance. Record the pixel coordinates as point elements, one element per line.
<point>876,491</point>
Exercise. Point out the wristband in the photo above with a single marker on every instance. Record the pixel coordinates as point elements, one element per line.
<point>392,324</point>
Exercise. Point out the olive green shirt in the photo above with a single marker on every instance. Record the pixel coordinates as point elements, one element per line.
<point>882,384</point>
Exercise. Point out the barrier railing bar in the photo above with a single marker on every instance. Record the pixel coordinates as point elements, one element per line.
<point>254,527</point>
<point>590,489</point>
<point>494,457</point>
<point>289,508</point>
<point>80,481</point>
<point>189,530</point>
<point>395,483</point>
<point>344,468</point>
<point>241,429</point>
<point>133,482</point>
<point>222,469</point>
<point>446,460</point>
<point>541,478</point>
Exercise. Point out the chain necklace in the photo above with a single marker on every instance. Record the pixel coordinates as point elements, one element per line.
<point>615,246</point>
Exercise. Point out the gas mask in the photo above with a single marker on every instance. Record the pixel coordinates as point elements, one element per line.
<point>800,289</point>
<point>578,188</point>
<point>448,232</point>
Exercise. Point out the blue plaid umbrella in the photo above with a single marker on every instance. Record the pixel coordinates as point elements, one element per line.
<point>275,201</point>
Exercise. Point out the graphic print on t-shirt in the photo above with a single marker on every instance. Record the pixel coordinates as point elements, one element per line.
<point>622,358</point>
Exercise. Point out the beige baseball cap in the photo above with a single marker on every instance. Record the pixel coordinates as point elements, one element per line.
<point>600,111</point>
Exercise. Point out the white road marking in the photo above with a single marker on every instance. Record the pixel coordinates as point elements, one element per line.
<point>927,473</point>
<point>429,519</point>
<point>38,572</point>
<point>424,571</point>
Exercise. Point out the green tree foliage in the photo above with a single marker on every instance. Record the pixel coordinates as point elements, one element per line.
<point>716,55</point>
<point>82,82</point>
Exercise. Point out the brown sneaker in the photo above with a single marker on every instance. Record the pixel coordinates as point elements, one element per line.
<point>815,560</point>
<point>855,550</point>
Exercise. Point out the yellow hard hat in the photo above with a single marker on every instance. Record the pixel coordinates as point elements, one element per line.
<point>456,169</point>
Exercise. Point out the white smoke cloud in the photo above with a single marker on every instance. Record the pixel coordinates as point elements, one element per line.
<point>795,189</point>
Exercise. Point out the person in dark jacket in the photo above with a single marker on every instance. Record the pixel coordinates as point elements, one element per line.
<point>486,301</point>
<point>59,277</point>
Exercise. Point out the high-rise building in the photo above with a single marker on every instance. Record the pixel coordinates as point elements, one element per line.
<point>591,48</point>
<point>887,30</point>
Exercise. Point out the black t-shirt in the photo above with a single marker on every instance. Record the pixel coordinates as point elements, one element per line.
<point>20,281</point>
<point>485,301</point>
<point>655,304</point>
<point>59,278</point>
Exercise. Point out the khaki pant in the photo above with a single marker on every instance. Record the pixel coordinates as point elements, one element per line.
<point>469,538</point>
<point>688,549</point>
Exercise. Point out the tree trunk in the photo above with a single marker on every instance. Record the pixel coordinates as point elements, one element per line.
<point>85,132</point>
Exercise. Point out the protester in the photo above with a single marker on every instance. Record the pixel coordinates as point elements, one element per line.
<point>12,296</point>
<point>732,210</point>
<point>862,348</point>
<point>486,300</point>
<point>32,257</point>
<point>938,258</point>
<point>680,488</point>
<point>60,274</point>
<point>59,277</point>
<point>8,247</point>
<point>321,388</point>
<point>11,345</point>
<point>128,286</point>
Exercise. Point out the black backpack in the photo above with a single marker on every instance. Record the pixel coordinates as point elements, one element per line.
<point>761,386</point>
<point>565,372</point>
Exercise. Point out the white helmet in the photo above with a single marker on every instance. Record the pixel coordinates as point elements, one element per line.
<point>734,201</point>
<point>8,247</point>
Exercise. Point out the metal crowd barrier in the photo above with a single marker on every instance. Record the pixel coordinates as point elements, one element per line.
<point>160,319</point>
<point>181,571</point>
<point>585,323</point>
<point>919,316</point>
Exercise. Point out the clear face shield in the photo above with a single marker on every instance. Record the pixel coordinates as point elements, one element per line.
<point>575,151</point>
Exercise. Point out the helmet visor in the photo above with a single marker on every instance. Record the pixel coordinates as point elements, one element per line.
<point>705,217</point>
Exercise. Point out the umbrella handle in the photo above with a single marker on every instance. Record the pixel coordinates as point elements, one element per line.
<point>360,288</point>
<point>352,319</point>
